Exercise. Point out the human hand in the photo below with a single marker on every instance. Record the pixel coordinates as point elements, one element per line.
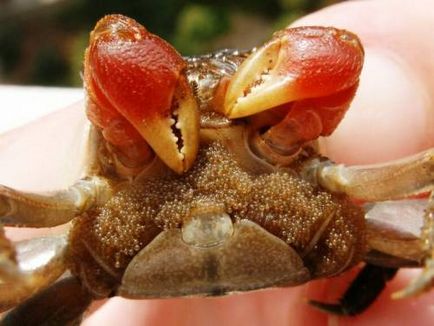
<point>392,116</point>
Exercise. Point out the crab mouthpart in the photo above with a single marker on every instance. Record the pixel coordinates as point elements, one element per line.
<point>296,64</point>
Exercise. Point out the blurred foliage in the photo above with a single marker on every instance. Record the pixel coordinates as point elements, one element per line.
<point>45,45</point>
<point>196,25</point>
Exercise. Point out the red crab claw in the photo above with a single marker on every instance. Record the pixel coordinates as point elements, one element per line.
<point>137,86</point>
<point>309,73</point>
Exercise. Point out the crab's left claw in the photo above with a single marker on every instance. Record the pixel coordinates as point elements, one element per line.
<point>309,70</point>
<point>142,77</point>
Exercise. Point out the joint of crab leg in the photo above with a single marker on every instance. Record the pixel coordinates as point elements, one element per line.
<point>267,151</point>
<point>39,262</point>
<point>425,280</point>
<point>37,210</point>
<point>298,63</point>
<point>295,130</point>
<point>385,181</point>
<point>304,122</point>
<point>143,79</point>
<point>8,264</point>
<point>309,119</point>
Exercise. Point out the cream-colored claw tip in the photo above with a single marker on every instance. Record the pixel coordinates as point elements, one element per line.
<point>421,284</point>
<point>175,139</point>
<point>258,84</point>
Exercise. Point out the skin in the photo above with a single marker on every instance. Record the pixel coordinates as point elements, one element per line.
<point>390,118</point>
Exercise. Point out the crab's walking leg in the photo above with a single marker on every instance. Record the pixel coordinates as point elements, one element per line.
<point>393,236</point>
<point>61,304</point>
<point>393,232</point>
<point>28,266</point>
<point>35,210</point>
<point>363,291</point>
<point>425,280</point>
<point>393,180</point>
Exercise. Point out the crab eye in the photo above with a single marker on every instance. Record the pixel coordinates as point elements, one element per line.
<point>140,77</point>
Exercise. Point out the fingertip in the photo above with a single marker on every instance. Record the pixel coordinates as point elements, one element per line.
<point>393,112</point>
<point>390,117</point>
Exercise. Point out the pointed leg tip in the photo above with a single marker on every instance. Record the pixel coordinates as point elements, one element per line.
<point>401,294</point>
<point>411,290</point>
<point>421,284</point>
<point>330,308</point>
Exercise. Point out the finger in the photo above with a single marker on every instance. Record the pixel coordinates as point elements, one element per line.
<point>392,116</point>
<point>271,307</point>
<point>47,154</point>
<point>393,112</point>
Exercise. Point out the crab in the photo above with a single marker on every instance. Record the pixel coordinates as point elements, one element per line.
<point>204,178</point>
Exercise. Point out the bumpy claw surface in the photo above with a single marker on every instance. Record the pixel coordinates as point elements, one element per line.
<point>134,77</point>
<point>297,63</point>
<point>311,73</point>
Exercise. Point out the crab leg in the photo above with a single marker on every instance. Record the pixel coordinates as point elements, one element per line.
<point>28,266</point>
<point>403,178</point>
<point>394,180</point>
<point>307,119</point>
<point>358,296</point>
<point>393,236</point>
<point>27,209</point>
<point>61,304</point>
<point>394,232</point>
<point>425,280</point>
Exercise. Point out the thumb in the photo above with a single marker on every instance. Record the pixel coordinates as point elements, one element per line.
<point>392,114</point>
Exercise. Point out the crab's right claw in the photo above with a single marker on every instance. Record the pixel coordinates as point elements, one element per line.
<point>306,76</point>
<point>298,63</point>
<point>136,74</point>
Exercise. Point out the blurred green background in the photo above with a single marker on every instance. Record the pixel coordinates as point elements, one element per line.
<point>42,41</point>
